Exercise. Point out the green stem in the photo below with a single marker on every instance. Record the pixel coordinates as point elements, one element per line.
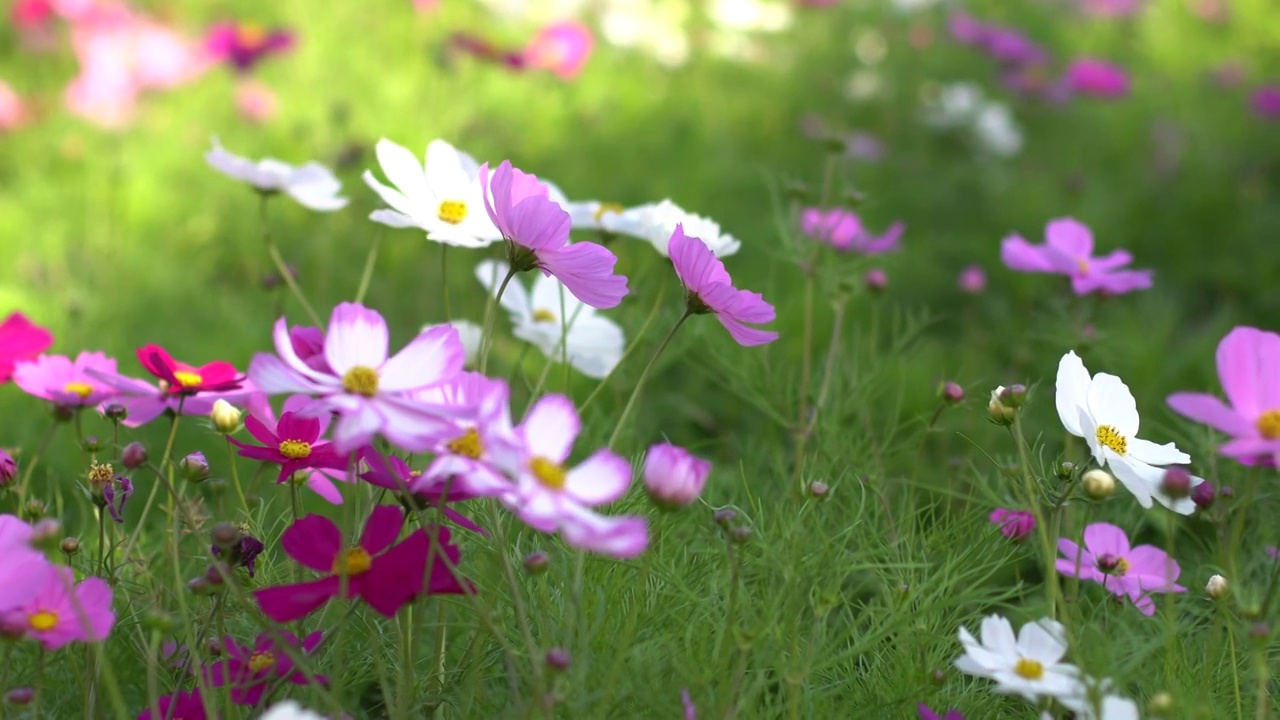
<point>444,280</point>
<point>235,477</point>
<point>35,460</point>
<point>155,488</point>
<point>1052,590</point>
<point>281,267</point>
<point>490,312</point>
<point>644,374</point>
<point>644,327</point>
<point>367,275</point>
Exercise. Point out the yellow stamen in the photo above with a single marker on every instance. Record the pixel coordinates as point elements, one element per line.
<point>187,379</point>
<point>1029,669</point>
<point>1083,265</point>
<point>260,661</point>
<point>355,561</point>
<point>361,380</point>
<point>295,449</point>
<point>607,207</point>
<point>84,390</point>
<point>550,474</point>
<point>1111,438</point>
<point>467,445</point>
<point>43,621</point>
<point>544,315</point>
<point>1122,567</point>
<point>452,211</point>
<point>1269,424</point>
<point>251,34</point>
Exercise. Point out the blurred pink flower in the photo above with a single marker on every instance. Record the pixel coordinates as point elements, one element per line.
<point>243,45</point>
<point>1111,8</point>
<point>972,280</point>
<point>843,230</point>
<point>1014,524</point>
<point>563,48</point>
<point>29,15</point>
<point>1124,570</point>
<point>424,6</point>
<point>13,112</point>
<point>20,339</point>
<point>1068,250</point>
<point>1266,102</point>
<point>709,289</point>
<point>1097,78</point>
<point>256,102</point>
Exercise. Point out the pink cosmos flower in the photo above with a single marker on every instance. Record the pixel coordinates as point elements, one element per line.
<point>370,392</point>
<point>182,387</point>
<point>1014,524</point>
<point>250,671</point>
<point>308,345</point>
<point>23,569</point>
<point>187,705</point>
<point>550,497</point>
<point>1266,102</point>
<point>13,112</point>
<point>30,15</point>
<point>1010,46</point>
<point>384,575</point>
<point>20,339</point>
<point>394,474</point>
<point>709,288</point>
<point>562,48</point>
<point>243,45</point>
<point>293,443</point>
<point>1098,78</point>
<point>843,230</point>
<point>537,232</point>
<point>1247,361</point>
<point>972,280</point>
<point>1068,250</point>
<point>256,102</point>
<point>690,710</point>
<point>1111,8</point>
<point>927,714</point>
<point>64,382</point>
<point>482,428</point>
<point>63,612</point>
<point>1132,572</point>
<point>673,476</point>
<point>179,378</point>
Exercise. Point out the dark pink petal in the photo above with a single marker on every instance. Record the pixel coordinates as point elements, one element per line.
<point>396,575</point>
<point>382,528</point>
<point>293,427</point>
<point>157,361</point>
<point>286,603</point>
<point>259,431</point>
<point>314,541</point>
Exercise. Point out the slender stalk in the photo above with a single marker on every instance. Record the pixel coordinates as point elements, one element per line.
<point>39,684</point>
<point>490,312</point>
<point>517,601</point>
<point>1053,592</point>
<point>155,488</point>
<point>629,630</point>
<point>406,694</point>
<point>731,613</point>
<point>35,460</point>
<point>644,375</point>
<point>444,280</point>
<point>635,342</point>
<point>281,267</point>
<point>366,276</point>
<point>235,477</point>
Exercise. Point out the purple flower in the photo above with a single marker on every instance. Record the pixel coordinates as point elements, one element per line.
<point>709,289</point>
<point>1097,78</point>
<point>1132,572</point>
<point>1247,360</point>
<point>1068,250</point>
<point>927,714</point>
<point>1266,102</point>
<point>116,498</point>
<point>1014,524</point>
<point>843,230</point>
<point>249,671</point>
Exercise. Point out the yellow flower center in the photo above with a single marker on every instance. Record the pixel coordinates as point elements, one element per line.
<point>1029,669</point>
<point>251,34</point>
<point>1083,265</point>
<point>467,445</point>
<point>452,211</point>
<point>295,449</point>
<point>544,315</point>
<point>361,380</point>
<point>187,379</point>
<point>1122,567</point>
<point>43,621</point>
<point>84,390</point>
<point>1111,438</point>
<point>100,473</point>
<point>550,474</point>
<point>1269,424</point>
<point>607,207</point>
<point>260,661</point>
<point>353,562</point>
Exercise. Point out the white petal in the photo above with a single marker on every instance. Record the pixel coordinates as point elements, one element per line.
<point>1111,403</point>
<point>1153,454</point>
<point>1038,643</point>
<point>434,355</point>
<point>404,171</point>
<point>391,218</point>
<point>1139,478</point>
<point>1072,392</point>
<point>356,337</point>
<point>392,197</point>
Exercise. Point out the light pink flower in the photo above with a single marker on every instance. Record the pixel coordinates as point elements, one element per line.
<point>674,476</point>
<point>972,280</point>
<point>709,289</point>
<point>844,231</point>
<point>537,232</point>
<point>563,48</point>
<point>1068,250</point>
<point>368,390</point>
<point>13,112</point>
<point>256,101</point>
<point>23,569</point>
<point>1098,78</point>
<point>1248,359</point>
<point>550,497</point>
<point>1266,102</point>
<point>64,382</point>
<point>63,612</point>
<point>464,460</point>
<point>1132,572</point>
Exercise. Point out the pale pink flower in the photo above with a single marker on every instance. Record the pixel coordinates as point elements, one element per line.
<point>23,569</point>
<point>1069,251</point>
<point>63,611</point>
<point>972,280</point>
<point>1132,572</point>
<point>256,101</point>
<point>563,48</point>
<point>13,111</point>
<point>843,230</point>
<point>709,289</point>
<point>64,382</point>
<point>674,476</point>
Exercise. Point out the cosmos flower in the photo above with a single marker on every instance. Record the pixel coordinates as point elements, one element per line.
<point>63,612</point>
<point>1068,250</point>
<point>243,45</point>
<point>251,670</point>
<point>293,442</point>
<point>1097,78</point>
<point>63,381</point>
<point>709,289</point>
<point>654,222</point>
<point>184,704</point>
<point>20,339</point>
<point>23,569</point>
<point>312,185</point>
<point>843,230</point>
<point>1108,559</point>
<point>1029,665</point>
<point>562,48</point>
<point>673,476</point>
<point>1014,524</point>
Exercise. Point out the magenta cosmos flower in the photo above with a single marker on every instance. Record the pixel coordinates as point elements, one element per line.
<point>293,442</point>
<point>673,476</point>
<point>23,569</point>
<point>1014,524</point>
<point>536,229</point>
<point>709,289</point>
<point>182,705</point>
<point>927,714</point>
<point>1266,102</point>
<point>369,391</point>
<point>563,48</point>
<point>1068,250</point>
<point>250,670</point>
<point>843,230</point>
<point>20,339</point>
<point>244,45</point>
<point>383,574</point>
<point>1132,572</point>
<point>550,497</point>
<point>1097,78</point>
<point>63,612</point>
<point>63,381</point>
<point>394,474</point>
<point>1248,359</point>
<point>189,388</point>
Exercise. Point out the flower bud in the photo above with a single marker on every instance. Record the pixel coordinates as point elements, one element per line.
<point>724,516</point>
<point>20,696</point>
<point>951,393</point>
<point>100,475</point>
<point>217,573</point>
<point>972,280</point>
<point>998,411</point>
<point>115,412</point>
<point>1098,484</point>
<point>1016,525</point>
<point>558,659</point>
<point>1259,631</point>
<point>1202,495</point>
<point>1065,470</point>
<point>1226,492</point>
<point>796,190</point>
<point>62,413</point>
<point>1217,587</point>
<point>938,677</point>
<point>674,477</point>
<point>33,510</point>
<point>224,536</point>
<point>69,546</point>
<point>1014,395</point>
<point>46,532</point>
<point>92,444</point>
<point>225,417</point>
<point>875,280</point>
<point>1108,562</point>
<point>134,455</point>
<point>200,586</point>
<point>537,562</point>
<point>194,467</point>
<point>1176,483</point>
<point>8,468</point>
<point>1160,704</point>
<point>819,490</point>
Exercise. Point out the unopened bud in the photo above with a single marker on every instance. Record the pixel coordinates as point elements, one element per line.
<point>951,393</point>
<point>558,659</point>
<point>819,489</point>
<point>1160,704</point>
<point>32,510</point>
<point>1176,483</point>
<point>194,467</point>
<point>20,696</point>
<point>536,562</point>
<point>938,677</point>
<point>115,412</point>
<point>1226,492</point>
<point>62,413</point>
<point>225,535</point>
<point>92,444</point>
<point>724,516</point>
<point>216,574</point>
<point>1098,484</point>
<point>200,586</point>
<point>46,532</point>
<point>69,546</point>
<point>1065,470</point>
<point>1202,495</point>
<point>225,417</point>
<point>8,468</point>
<point>875,280</point>
<point>1014,395</point>
<point>134,455</point>
<point>797,191</point>
<point>998,411</point>
<point>1217,587</point>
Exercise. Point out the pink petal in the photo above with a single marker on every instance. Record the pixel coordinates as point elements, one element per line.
<point>356,337</point>
<point>431,357</point>
<point>602,478</point>
<point>1102,538</point>
<point>586,269</point>
<point>1069,236</point>
<point>1018,254</point>
<point>1209,410</point>
<point>550,427</point>
<point>619,537</point>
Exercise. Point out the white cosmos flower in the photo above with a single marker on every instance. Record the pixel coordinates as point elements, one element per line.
<point>289,710</point>
<point>593,344</point>
<point>1029,665</point>
<point>312,185</point>
<point>996,130</point>
<point>655,222</point>
<point>1103,412</point>
<point>443,198</point>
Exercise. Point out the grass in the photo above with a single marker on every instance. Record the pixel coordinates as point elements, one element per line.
<point>841,606</point>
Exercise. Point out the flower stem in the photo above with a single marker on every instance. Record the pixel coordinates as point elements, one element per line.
<point>367,276</point>
<point>644,374</point>
<point>281,268</point>
<point>444,281</point>
<point>490,311</point>
<point>155,488</point>
<point>644,327</point>
<point>235,477</point>
<point>35,460</point>
<point>1052,590</point>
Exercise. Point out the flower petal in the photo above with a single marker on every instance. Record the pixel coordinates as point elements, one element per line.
<point>602,478</point>
<point>313,541</point>
<point>1111,403</point>
<point>1209,410</point>
<point>550,427</point>
<point>1072,394</point>
<point>433,356</point>
<point>356,337</point>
